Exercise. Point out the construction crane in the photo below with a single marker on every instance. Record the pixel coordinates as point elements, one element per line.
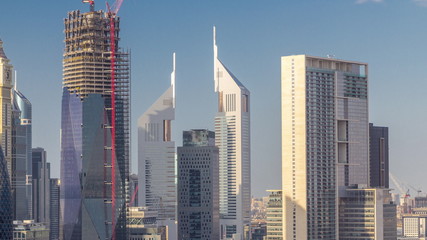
<point>91,3</point>
<point>399,186</point>
<point>416,189</point>
<point>112,14</point>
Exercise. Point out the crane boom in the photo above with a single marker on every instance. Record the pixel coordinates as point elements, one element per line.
<point>397,184</point>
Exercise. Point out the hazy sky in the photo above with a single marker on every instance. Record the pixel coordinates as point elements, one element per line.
<point>390,35</point>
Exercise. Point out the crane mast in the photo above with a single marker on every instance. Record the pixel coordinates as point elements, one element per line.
<point>112,13</point>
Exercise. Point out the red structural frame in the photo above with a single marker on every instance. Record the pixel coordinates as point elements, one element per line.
<point>113,121</point>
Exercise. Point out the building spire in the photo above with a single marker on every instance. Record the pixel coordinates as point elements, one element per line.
<point>16,81</point>
<point>214,43</point>
<point>173,78</point>
<point>2,54</point>
<point>215,49</point>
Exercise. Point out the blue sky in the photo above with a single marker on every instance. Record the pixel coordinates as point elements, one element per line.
<point>390,35</point>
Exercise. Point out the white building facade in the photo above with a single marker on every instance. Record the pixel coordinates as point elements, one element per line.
<point>232,137</point>
<point>156,156</point>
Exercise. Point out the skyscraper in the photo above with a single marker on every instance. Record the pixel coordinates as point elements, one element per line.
<point>198,189</point>
<point>6,73</point>
<point>6,214</point>
<point>156,155</point>
<point>232,131</point>
<point>324,141</point>
<point>54,209</point>
<point>94,128</point>
<point>41,186</point>
<point>21,155</point>
<point>378,157</point>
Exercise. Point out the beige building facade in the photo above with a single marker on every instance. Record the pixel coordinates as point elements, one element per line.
<point>325,146</point>
<point>6,84</point>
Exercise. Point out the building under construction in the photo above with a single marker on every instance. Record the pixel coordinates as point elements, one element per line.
<point>94,128</point>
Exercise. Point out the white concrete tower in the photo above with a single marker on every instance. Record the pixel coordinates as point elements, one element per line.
<point>232,137</point>
<point>156,155</point>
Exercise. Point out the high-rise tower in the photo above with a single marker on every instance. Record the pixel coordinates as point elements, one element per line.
<point>325,146</point>
<point>232,137</point>
<point>21,155</point>
<point>378,156</point>
<point>94,183</point>
<point>6,73</point>
<point>156,155</point>
<point>41,186</point>
<point>6,227</point>
<point>198,190</point>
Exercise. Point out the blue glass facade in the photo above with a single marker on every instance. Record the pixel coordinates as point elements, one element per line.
<point>21,157</point>
<point>71,165</point>
<point>86,194</point>
<point>6,227</point>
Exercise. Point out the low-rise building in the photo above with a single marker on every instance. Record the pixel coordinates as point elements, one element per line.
<point>142,225</point>
<point>368,214</point>
<point>414,225</point>
<point>30,230</point>
<point>274,215</point>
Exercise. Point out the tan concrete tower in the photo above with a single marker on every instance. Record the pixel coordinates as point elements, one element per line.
<point>6,72</point>
<point>325,146</point>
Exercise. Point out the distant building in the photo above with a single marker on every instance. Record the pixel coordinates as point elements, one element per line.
<point>414,225</point>
<point>41,186</point>
<point>420,211</point>
<point>420,202</point>
<point>29,230</point>
<point>21,155</point>
<point>142,225</point>
<point>198,186</point>
<point>6,213</point>
<point>274,215</point>
<point>156,155</point>
<point>133,190</point>
<point>368,213</point>
<point>378,157</point>
<point>54,208</point>
<point>258,230</point>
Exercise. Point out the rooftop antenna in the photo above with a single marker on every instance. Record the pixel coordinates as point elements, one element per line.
<point>16,81</point>
<point>215,48</point>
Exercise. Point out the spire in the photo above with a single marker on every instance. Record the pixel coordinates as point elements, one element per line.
<point>214,43</point>
<point>16,81</point>
<point>215,49</point>
<point>2,54</point>
<point>173,77</point>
